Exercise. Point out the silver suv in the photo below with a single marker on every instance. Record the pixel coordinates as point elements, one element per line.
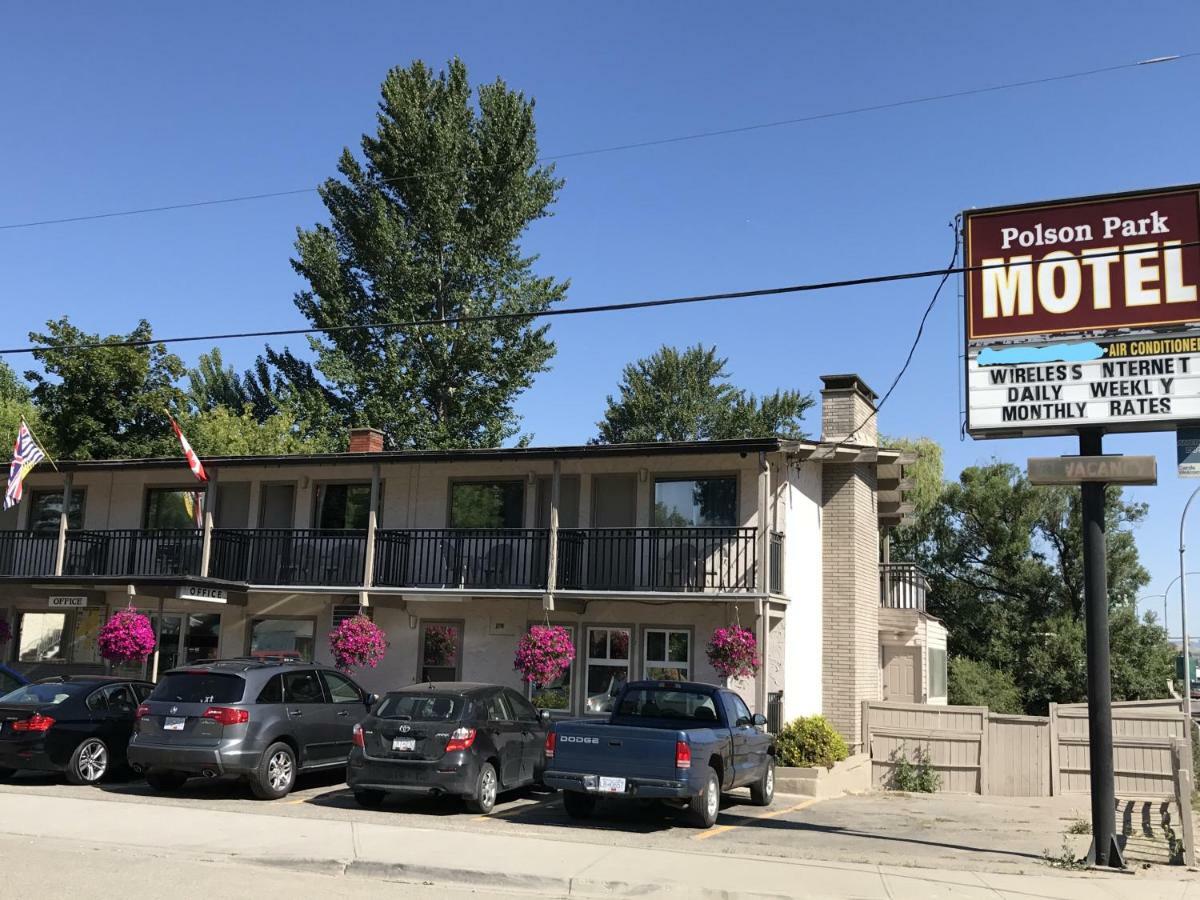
<point>265,720</point>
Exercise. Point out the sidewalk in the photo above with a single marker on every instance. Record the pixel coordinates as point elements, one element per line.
<point>529,864</point>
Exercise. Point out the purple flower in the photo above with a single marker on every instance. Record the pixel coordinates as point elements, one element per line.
<point>357,642</point>
<point>733,652</point>
<point>127,637</point>
<point>544,653</point>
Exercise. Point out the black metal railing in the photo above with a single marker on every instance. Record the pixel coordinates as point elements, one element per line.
<point>774,711</point>
<point>27,553</point>
<point>775,583</point>
<point>132,551</point>
<point>462,557</point>
<point>902,586</point>
<point>289,556</point>
<point>657,559</point>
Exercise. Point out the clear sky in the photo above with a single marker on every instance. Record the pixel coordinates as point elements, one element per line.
<point>113,106</point>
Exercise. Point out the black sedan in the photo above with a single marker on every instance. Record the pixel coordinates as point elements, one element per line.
<point>79,725</point>
<point>448,739</point>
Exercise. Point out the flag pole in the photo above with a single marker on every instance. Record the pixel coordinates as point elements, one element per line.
<point>37,440</point>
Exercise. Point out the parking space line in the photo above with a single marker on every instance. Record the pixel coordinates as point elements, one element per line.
<point>721,829</point>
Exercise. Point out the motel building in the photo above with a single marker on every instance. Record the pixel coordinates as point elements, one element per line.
<point>641,550</point>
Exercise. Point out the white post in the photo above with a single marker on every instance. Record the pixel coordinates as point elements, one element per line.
<point>158,623</point>
<point>1187,650</point>
<point>210,502</point>
<point>552,540</point>
<point>364,596</point>
<point>60,551</point>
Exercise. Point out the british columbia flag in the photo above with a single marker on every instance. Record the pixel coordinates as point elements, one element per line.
<point>26,455</point>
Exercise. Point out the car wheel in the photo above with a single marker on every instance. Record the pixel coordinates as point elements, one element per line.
<point>368,799</point>
<point>578,805</point>
<point>486,787</point>
<point>165,779</point>
<point>276,773</point>
<point>707,804</point>
<point>89,762</point>
<point>762,792</point>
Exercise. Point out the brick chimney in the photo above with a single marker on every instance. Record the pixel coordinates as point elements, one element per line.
<point>366,440</point>
<point>846,403</point>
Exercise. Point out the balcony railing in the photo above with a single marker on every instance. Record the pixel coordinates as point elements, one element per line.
<point>902,586</point>
<point>462,558</point>
<point>675,560</point>
<point>27,553</point>
<point>776,581</point>
<point>131,551</point>
<point>289,556</point>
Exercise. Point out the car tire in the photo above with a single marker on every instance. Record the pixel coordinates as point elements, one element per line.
<point>276,773</point>
<point>369,799</point>
<point>89,763</point>
<point>165,779</point>
<point>579,805</point>
<point>705,806</point>
<point>762,792</point>
<point>487,785</point>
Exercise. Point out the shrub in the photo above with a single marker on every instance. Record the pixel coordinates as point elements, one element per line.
<point>916,776</point>
<point>975,683</point>
<point>810,741</point>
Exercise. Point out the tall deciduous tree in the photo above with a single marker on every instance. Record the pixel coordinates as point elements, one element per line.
<point>686,395</point>
<point>109,402</point>
<point>426,226</point>
<point>16,404</point>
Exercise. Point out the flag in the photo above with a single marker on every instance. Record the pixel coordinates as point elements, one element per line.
<point>193,460</point>
<point>26,455</point>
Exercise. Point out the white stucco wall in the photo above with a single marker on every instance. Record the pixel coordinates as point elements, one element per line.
<point>803,584</point>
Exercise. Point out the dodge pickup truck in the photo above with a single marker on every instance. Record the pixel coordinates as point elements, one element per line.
<point>680,742</point>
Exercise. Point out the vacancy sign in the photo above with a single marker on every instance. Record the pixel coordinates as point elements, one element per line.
<point>1083,313</point>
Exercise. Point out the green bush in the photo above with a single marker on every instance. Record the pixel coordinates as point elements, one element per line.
<point>809,741</point>
<point>915,776</point>
<point>975,683</point>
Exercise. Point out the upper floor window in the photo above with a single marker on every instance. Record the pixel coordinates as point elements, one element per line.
<point>174,508</point>
<point>686,502</point>
<point>343,505</point>
<point>487,504</point>
<point>46,506</point>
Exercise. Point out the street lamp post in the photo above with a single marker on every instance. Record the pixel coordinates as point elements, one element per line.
<point>1187,650</point>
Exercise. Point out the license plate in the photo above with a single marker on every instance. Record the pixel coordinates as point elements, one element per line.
<point>404,744</point>
<point>612,785</point>
<point>174,723</point>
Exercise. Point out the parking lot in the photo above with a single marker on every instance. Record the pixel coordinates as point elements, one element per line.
<point>940,830</point>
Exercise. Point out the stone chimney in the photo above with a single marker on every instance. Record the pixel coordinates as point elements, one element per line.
<point>366,440</point>
<point>846,403</point>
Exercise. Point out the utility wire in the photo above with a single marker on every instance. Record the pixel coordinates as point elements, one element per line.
<point>809,287</point>
<point>636,145</point>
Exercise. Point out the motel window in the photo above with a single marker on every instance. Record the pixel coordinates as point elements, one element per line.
<point>174,508</point>
<point>555,695</point>
<point>937,672</point>
<point>343,505</point>
<point>695,502</point>
<point>607,667</point>
<point>41,637</point>
<point>289,638</point>
<point>667,654</point>
<point>46,506</point>
<point>441,651</point>
<point>487,504</point>
<point>202,638</point>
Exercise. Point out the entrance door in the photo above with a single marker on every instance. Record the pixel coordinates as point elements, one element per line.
<point>612,550</point>
<point>899,674</point>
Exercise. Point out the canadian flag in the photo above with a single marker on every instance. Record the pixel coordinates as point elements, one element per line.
<point>193,460</point>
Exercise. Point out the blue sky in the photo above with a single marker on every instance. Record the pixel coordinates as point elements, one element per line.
<point>121,105</point>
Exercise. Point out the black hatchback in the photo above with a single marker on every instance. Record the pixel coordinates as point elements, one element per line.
<point>448,739</point>
<point>79,725</point>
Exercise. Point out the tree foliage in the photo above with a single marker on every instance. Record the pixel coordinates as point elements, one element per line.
<point>212,384</point>
<point>926,473</point>
<point>425,226</point>
<point>223,432</point>
<point>973,682</point>
<point>686,395</point>
<point>16,404</point>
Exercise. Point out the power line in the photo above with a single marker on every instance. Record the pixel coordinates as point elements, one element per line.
<point>636,145</point>
<point>808,287</point>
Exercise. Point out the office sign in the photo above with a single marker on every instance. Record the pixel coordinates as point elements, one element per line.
<point>1187,452</point>
<point>207,594</point>
<point>1083,313</point>
<point>1078,469</point>
<point>73,602</point>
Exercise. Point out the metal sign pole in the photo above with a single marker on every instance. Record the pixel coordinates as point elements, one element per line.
<point>1105,851</point>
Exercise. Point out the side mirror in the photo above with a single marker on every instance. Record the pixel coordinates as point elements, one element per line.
<point>759,720</point>
<point>544,716</point>
<point>370,700</point>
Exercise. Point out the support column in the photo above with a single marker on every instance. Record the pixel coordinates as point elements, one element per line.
<point>60,550</point>
<point>210,503</point>
<point>158,623</point>
<point>364,596</point>
<point>761,575</point>
<point>552,540</point>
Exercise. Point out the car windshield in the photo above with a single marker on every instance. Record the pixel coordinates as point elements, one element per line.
<point>199,687</point>
<point>42,694</point>
<point>668,703</point>
<point>421,707</point>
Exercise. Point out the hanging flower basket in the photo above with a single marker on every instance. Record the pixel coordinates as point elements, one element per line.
<point>357,643</point>
<point>733,652</point>
<point>5,632</point>
<point>544,653</point>
<point>128,637</point>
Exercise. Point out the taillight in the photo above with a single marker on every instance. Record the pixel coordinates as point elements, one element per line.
<point>36,722</point>
<point>358,736</point>
<point>683,755</point>
<point>143,710</point>
<point>550,740</point>
<point>460,739</point>
<point>227,715</point>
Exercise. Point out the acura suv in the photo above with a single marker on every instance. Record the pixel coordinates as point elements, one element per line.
<point>260,719</point>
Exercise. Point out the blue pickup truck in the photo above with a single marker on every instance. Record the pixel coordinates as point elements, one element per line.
<point>674,741</point>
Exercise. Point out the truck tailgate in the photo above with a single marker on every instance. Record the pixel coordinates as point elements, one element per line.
<point>615,750</point>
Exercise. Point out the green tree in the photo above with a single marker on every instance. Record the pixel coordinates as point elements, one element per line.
<point>16,403</point>
<point>426,226</point>
<point>975,683</point>
<point>223,432</point>
<point>212,384</point>
<point>109,402</point>
<point>927,472</point>
<point>686,395</point>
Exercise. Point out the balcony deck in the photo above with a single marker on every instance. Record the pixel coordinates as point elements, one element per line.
<point>902,586</point>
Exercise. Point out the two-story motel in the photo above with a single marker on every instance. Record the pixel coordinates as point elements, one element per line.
<point>641,550</point>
